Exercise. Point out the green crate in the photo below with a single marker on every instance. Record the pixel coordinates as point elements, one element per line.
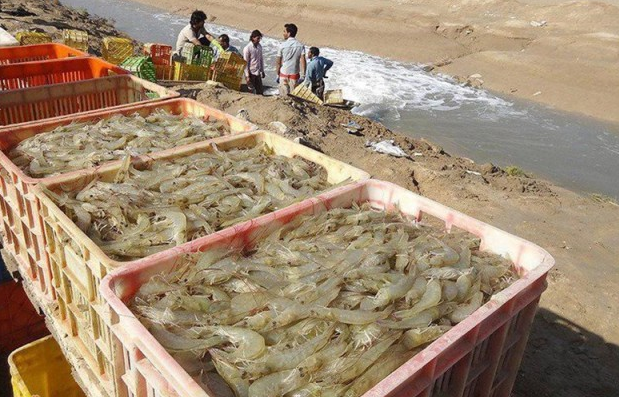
<point>141,66</point>
<point>197,54</point>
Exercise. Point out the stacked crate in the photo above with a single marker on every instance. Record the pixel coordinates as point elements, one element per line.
<point>116,49</point>
<point>29,38</point>
<point>229,69</point>
<point>77,39</point>
<point>141,66</point>
<point>161,56</point>
<point>195,63</point>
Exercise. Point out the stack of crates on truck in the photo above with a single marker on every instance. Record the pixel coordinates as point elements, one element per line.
<point>77,39</point>
<point>39,369</point>
<point>161,56</point>
<point>116,49</point>
<point>28,38</point>
<point>228,69</point>
<point>141,66</point>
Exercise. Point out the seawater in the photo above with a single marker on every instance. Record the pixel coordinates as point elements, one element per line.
<point>575,152</point>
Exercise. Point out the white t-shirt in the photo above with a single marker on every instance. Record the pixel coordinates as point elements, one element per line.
<point>186,35</point>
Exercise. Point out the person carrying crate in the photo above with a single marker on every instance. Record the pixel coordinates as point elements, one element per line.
<point>194,33</point>
<point>254,70</point>
<point>316,72</point>
<point>224,41</point>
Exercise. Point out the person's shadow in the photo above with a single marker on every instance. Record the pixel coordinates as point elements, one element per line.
<point>565,360</point>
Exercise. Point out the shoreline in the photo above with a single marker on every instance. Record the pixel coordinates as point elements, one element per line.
<point>541,64</point>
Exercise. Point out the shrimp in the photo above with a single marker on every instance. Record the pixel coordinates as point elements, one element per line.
<point>430,298</point>
<point>465,310</point>
<point>420,336</point>
<point>277,384</point>
<point>230,373</point>
<point>249,344</point>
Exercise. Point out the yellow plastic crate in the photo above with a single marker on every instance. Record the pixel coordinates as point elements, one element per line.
<point>39,369</point>
<point>77,39</point>
<point>184,72</point>
<point>229,69</point>
<point>116,49</point>
<point>27,38</point>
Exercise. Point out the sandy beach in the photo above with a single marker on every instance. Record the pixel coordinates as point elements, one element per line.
<point>573,348</point>
<point>561,54</point>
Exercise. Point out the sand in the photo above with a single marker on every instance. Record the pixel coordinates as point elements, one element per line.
<point>569,63</point>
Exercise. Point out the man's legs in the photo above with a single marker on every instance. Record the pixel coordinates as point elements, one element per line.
<point>284,87</point>
<point>319,89</point>
<point>292,84</point>
<point>257,82</point>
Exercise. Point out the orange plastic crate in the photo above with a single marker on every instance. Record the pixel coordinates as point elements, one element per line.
<point>159,53</point>
<point>478,357</point>
<point>32,74</point>
<point>58,100</point>
<point>37,52</point>
<point>20,210</point>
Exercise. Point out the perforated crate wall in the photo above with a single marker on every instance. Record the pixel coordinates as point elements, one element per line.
<point>159,53</point>
<point>141,66</point>
<point>28,38</point>
<point>197,54</point>
<point>116,49</point>
<point>77,39</point>
<point>229,69</point>
<point>184,72</point>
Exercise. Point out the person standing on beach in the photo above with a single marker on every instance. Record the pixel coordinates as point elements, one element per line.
<point>254,71</point>
<point>194,33</point>
<point>290,61</point>
<point>316,72</point>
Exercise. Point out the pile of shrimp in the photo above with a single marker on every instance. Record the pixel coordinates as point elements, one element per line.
<point>83,145</point>
<point>170,202</point>
<point>328,305</point>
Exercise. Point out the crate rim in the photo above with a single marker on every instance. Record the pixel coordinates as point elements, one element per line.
<point>50,124</point>
<point>163,156</point>
<point>146,342</point>
<point>61,45</point>
<point>149,85</point>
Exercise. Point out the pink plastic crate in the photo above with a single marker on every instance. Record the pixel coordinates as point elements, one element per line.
<point>478,357</point>
<point>76,265</point>
<point>20,210</point>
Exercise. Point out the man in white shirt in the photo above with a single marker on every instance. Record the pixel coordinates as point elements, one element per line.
<point>194,33</point>
<point>254,71</point>
<point>290,61</point>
